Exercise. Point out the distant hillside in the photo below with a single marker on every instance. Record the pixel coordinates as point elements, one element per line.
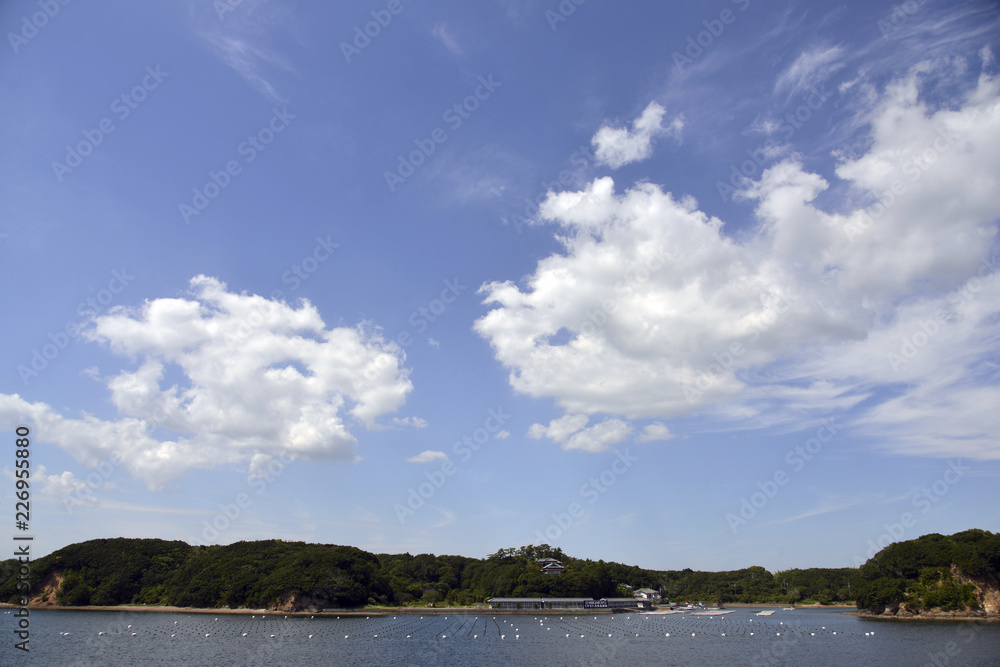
<point>274,574</point>
<point>934,576</point>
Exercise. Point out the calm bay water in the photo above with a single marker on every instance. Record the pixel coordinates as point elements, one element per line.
<point>800,637</point>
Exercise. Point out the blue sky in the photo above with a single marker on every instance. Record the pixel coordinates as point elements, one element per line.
<point>698,285</point>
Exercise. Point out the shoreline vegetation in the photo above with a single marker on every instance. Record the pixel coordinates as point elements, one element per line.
<point>932,577</point>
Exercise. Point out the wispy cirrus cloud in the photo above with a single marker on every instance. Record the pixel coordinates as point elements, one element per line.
<point>444,34</point>
<point>243,39</point>
<point>810,68</point>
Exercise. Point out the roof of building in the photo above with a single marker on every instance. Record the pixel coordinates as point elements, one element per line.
<point>647,591</point>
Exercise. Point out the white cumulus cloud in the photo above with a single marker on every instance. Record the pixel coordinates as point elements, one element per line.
<point>655,431</point>
<point>259,379</point>
<point>570,432</point>
<point>651,310</point>
<point>617,147</point>
<point>599,437</point>
<point>428,456</point>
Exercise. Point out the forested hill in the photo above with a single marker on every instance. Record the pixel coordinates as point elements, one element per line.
<point>274,574</point>
<point>934,575</point>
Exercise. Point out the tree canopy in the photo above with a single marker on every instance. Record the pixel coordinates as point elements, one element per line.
<point>267,573</point>
<point>931,572</point>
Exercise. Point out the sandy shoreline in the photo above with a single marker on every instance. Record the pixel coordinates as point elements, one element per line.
<point>202,610</point>
<point>396,611</point>
<point>920,617</point>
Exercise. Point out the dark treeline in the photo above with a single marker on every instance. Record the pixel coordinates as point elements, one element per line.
<point>273,573</point>
<point>268,573</point>
<point>932,572</point>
